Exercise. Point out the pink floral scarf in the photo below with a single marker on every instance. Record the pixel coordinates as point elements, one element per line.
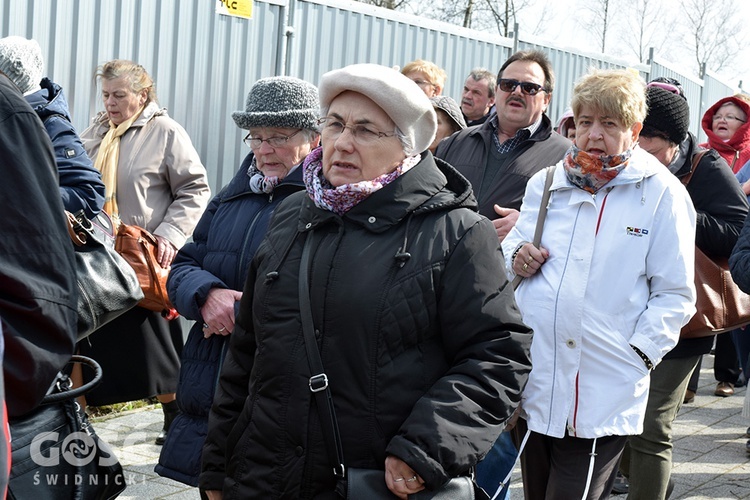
<point>340,200</point>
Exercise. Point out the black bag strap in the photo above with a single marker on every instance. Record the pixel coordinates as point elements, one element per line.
<point>540,218</point>
<point>62,390</point>
<point>319,380</point>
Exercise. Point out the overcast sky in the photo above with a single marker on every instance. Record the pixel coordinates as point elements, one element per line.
<point>564,28</point>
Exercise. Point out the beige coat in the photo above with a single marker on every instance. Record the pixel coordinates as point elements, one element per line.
<point>161,183</point>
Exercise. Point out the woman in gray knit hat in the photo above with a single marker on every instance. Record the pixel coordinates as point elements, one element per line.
<point>207,276</point>
<point>423,350</point>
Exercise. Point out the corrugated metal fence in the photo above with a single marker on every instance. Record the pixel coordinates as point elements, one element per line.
<point>204,63</point>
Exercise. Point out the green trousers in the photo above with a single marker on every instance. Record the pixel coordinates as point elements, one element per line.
<point>647,460</point>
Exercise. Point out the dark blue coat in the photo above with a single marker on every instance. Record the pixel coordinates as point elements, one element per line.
<point>81,185</point>
<point>219,256</point>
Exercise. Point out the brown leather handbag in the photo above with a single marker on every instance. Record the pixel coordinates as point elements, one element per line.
<point>721,305</point>
<point>139,248</point>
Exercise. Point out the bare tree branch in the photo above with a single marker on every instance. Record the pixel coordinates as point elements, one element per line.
<point>715,33</point>
<point>646,28</point>
<point>600,15</point>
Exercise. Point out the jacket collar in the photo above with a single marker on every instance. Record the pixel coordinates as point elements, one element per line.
<point>690,146</point>
<point>431,185</point>
<point>151,110</point>
<point>49,100</point>
<point>542,132</point>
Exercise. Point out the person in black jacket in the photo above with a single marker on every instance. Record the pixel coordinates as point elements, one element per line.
<point>721,208</point>
<point>37,265</point>
<point>739,264</point>
<point>423,347</point>
<point>499,156</point>
<point>207,276</point>
<point>81,186</point>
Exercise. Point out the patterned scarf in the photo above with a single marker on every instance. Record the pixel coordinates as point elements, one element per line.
<point>259,183</point>
<point>106,162</point>
<point>340,200</point>
<point>592,173</point>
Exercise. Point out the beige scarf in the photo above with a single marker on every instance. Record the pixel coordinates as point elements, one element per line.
<point>107,160</point>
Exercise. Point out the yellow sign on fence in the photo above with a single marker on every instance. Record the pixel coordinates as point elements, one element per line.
<point>236,8</point>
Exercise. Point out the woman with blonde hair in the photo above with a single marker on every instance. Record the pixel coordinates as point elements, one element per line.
<point>427,75</point>
<point>154,179</point>
<point>606,292</point>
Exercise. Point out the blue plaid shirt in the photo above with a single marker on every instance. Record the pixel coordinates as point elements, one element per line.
<point>513,142</point>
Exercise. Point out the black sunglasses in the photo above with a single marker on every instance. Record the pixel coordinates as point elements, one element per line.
<point>528,88</point>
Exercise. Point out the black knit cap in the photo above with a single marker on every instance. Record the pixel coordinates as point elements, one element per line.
<point>668,113</point>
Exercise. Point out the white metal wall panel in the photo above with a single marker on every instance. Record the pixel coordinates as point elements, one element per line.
<point>204,64</point>
<point>330,34</point>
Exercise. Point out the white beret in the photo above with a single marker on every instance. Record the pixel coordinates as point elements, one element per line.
<point>401,99</point>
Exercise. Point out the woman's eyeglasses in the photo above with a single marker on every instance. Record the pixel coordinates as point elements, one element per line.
<point>332,128</point>
<point>275,142</point>
<point>527,88</point>
<point>728,118</point>
<point>423,83</point>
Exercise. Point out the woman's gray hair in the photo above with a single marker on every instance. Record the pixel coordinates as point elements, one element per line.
<point>405,141</point>
<point>310,134</point>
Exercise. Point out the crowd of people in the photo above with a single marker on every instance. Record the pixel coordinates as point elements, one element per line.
<point>393,280</point>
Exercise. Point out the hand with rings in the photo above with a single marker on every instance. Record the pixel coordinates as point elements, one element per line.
<point>528,259</point>
<point>218,311</point>
<point>409,480</point>
<point>401,479</point>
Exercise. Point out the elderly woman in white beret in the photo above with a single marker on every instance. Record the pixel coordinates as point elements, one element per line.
<point>423,349</point>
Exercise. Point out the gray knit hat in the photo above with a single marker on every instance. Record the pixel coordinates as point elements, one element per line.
<point>401,99</point>
<point>450,107</point>
<point>280,101</point>
<point>21,60</point>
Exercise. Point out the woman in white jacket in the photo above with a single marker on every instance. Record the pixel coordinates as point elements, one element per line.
<point>606,292</point>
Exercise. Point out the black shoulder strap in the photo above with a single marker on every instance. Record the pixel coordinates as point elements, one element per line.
<point>319,380</point>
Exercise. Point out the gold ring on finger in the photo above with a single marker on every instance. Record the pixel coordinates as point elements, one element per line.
<point>411,479</point>
<point>525,267</point>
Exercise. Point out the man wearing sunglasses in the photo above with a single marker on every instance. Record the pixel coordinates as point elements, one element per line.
<point>500,155</point>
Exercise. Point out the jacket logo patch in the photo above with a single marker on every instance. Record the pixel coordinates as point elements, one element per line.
<point>636,231</point>
<point>69,153</point>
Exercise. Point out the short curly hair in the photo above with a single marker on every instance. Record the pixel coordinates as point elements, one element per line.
<point>436,74</point>
<point>618,93</point>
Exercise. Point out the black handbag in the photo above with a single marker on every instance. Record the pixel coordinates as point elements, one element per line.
<point>56,454</point>
<point>356,483</point>
<point>107,285</point>
<point>370,483</point>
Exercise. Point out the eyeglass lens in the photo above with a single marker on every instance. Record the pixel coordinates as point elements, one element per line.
<point>728,118</point>
<point>528,88</point>
<point>275,142</point>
